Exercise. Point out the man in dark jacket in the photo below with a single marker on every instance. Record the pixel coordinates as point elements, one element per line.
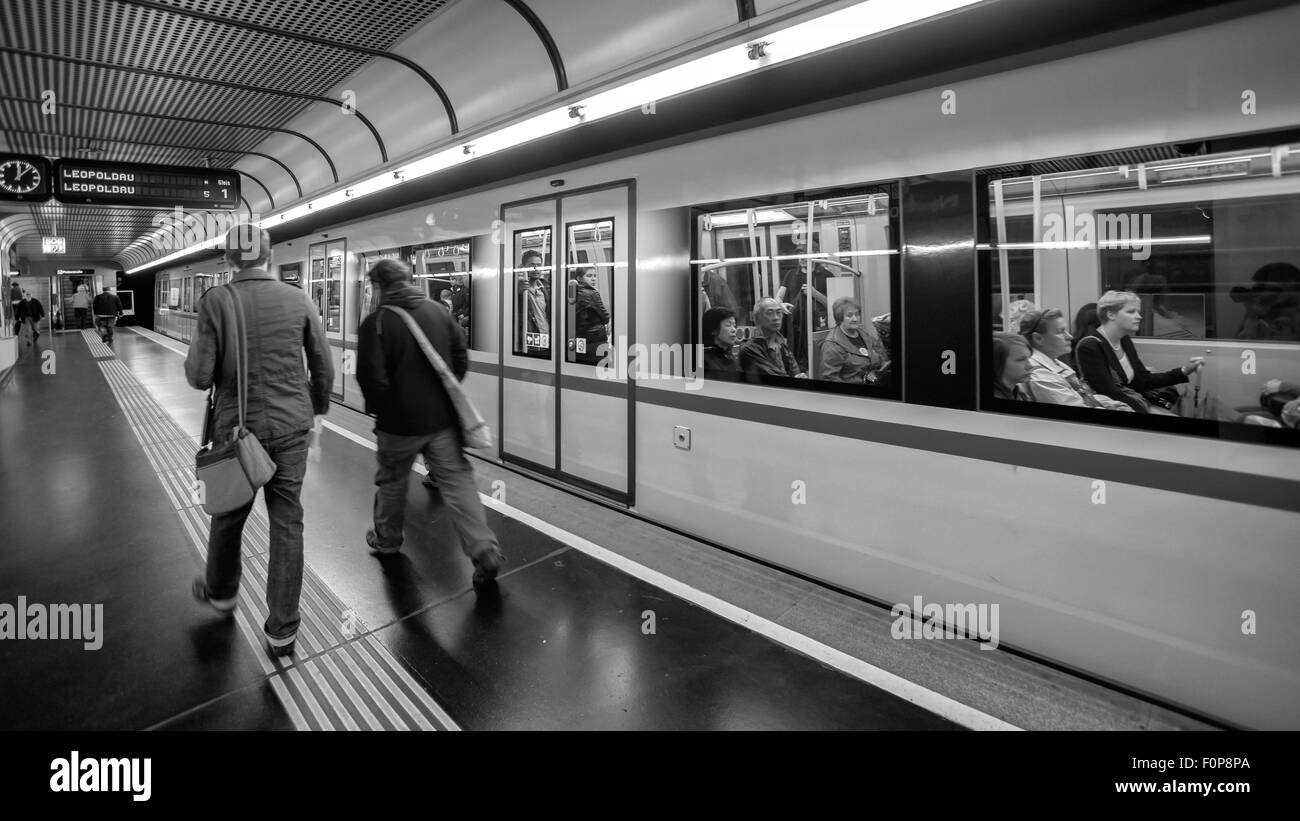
<point>279,322</point>
<point>107,308</point>
<point>414,415</point>
<point>31,310</point>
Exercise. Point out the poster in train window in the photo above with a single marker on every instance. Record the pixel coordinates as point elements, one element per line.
<point>533,266</point>
<point>316,277</point>
<point>442,269</point>
<point>589,290</point>
<point>334,289</point>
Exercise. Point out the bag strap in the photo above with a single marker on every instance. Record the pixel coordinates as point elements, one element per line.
<point>241,355</point>
<point>423,341</point>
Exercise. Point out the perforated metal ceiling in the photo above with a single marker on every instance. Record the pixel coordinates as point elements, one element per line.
<point>133,80</point>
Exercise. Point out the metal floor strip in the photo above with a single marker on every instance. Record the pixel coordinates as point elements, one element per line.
<point>315,691</point>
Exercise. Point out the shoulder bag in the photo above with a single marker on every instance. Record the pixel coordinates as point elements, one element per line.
<point>473,428</point>
<point>230,474</point>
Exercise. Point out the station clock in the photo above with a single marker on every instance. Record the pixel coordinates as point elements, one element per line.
<point>24,177</point>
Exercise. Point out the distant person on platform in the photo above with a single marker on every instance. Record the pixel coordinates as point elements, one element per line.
<point>107,309</point>
<point>281,322</point>
<point>31,312</point>
<point>81,307</point>
<point>15,297</point>
<point>415,415</point>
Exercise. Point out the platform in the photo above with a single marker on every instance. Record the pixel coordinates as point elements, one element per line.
<point>599,620</point>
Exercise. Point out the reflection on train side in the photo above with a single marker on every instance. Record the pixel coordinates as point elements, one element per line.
<point>800,291</point>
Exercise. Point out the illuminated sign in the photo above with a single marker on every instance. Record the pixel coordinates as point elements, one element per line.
<point>54,245</point>
<point>110,183</point>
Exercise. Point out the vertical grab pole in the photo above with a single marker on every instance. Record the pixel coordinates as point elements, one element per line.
<point>1004,272</point>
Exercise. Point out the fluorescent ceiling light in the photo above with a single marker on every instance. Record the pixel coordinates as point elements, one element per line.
<point>828,31</point>
<point>731,218</point>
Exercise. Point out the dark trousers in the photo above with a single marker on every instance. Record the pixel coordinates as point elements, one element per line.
<point>83,318</point>
<point>445,459</point>
<point>104,324</point>
<point>284,509</point>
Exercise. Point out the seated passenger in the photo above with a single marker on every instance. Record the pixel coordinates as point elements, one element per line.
<point>852,353</point>
<point>767,352</point>
<point>1051,380</point>
<point>1011,366</point>
<point>1108,361</point>
<point>720,334</point>
<point>1085,322</point>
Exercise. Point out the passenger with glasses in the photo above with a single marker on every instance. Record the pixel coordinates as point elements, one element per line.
<point>1051,380</point>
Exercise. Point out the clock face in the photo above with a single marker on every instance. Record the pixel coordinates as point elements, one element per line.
<point>19,177</point>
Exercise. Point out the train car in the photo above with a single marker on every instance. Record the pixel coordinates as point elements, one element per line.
<point>1154,551</point>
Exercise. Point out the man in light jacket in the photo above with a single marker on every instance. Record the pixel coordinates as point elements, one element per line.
<point>280,321</point>
<point>414,414</point>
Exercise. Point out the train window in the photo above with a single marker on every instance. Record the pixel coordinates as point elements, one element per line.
<point>201,285</point>
<point>801,291</point>
<point>187,291</point>
<point>1164,289</point>
<point>291,273</point>
<point>533,267</point>
<point>442,270</point>
<point>589,291</point>
<point>316,277</point>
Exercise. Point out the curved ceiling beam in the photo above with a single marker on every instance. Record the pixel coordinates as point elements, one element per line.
<point>236,151</point>
<point>263,187</point>
<point>308,38</point>
<point>174,118</point>
<point>171,75</point>
<point>552,51</point>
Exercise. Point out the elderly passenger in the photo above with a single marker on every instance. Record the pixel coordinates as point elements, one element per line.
<point>852,352</point>
<point>767,351</point>
<point>1051,380</point>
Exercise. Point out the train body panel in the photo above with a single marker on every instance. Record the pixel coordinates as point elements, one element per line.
<point>1164,562</point>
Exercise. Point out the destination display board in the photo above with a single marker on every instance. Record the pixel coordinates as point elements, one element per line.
<point>112,183</point>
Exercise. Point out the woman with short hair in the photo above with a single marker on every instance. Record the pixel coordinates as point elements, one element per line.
<point>1051,380</point>
<point>1109,361</point>
<point>852,352</point>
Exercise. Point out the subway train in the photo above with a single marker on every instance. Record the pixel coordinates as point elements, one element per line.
<point>1154,551</point>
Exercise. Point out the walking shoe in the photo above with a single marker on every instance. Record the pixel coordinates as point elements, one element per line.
<point>487,564</point>
<point>279,648</point>
<point>200,590</point>
<point>373,541</point>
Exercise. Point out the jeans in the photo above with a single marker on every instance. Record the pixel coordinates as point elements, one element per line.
<point>83,318</point>
<point>445,459</point>
<point>104,324</point>
<point>284,509</point>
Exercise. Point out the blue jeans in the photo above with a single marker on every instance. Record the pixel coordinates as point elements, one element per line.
<point>284,510</point>
<point>445,459</point>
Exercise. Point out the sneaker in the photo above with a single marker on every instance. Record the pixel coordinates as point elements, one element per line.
<point>200,590</point>
<point>486,566</point>
<point>373,541</point>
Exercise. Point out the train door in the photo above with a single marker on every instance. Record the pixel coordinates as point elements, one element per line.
<point>566,398</point>
<point>326,261</point>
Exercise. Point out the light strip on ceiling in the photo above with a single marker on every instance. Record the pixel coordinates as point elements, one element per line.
<point>828,31</point>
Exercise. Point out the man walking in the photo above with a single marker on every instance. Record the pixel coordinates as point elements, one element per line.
<point>414,415</point>
<point>31,311</point>
<point>280,322</point>
<point>107,309</point>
